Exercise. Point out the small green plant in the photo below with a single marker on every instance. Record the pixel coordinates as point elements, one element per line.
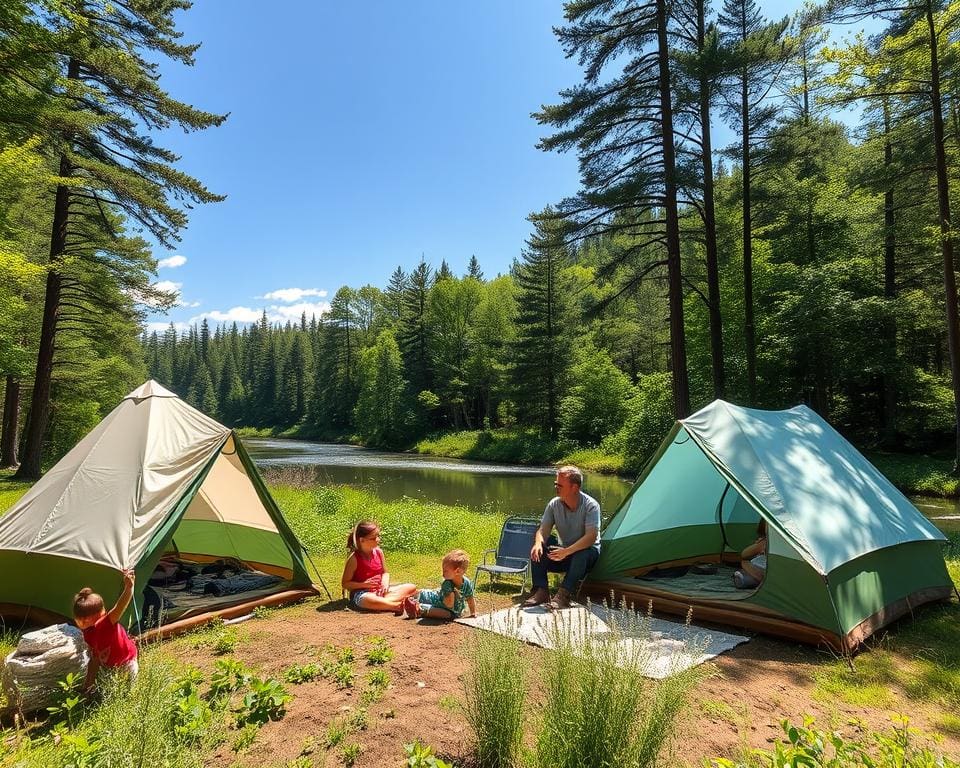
<point>229,675</point>
<point>345,655</point>
<point>358,720</point>
<point>225,641</point>
<point>245,737</point>
<point>80,750</point>
<point>421,756</point>
<point>377,683</point>
<point>261,612</point>
<point>350,753</point>
<point>805,746</point>
<point>343,676</point>
<point>336,733</point>
<point>379,678</point>
<point>267,700</point>
<point>300,762</point>
<point>379,653</point>
<point>68,702</point>
<point>204,636</point>
<point>308,747</point>
<point>451,704</point>
<point>191,717</point>
<point>299,674</point>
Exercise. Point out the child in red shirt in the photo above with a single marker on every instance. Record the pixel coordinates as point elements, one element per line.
<point>110,645</point>
<point>365,574</point>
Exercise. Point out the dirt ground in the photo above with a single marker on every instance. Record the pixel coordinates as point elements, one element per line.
<point>750,690</point>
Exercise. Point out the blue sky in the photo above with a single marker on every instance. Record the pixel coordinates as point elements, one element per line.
<point>362,136</point>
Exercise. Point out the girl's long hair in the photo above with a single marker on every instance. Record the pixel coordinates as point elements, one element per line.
<point>360,531</point>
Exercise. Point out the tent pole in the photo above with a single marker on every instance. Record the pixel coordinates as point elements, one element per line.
<point>847,654</point>
<point>724,545</point>
<point>317,571</point>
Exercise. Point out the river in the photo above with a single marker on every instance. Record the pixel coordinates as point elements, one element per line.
<point>509,488</point>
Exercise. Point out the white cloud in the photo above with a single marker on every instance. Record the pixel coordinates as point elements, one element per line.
<point>160,326</point>
<point>188,304</point>
<point>234,314</point>
<point>276,313</point>
<point>172,262</point>
<point>169,286</point>
<point>292,294</point>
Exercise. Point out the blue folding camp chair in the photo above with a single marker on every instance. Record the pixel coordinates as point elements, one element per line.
<point>512,555</point>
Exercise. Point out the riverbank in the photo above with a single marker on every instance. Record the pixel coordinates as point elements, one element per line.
<point>914,474</point>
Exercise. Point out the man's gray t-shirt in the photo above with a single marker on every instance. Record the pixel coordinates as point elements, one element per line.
<point>571,524</point>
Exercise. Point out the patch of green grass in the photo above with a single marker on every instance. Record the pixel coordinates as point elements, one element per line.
<point>949,723</point>
<point>415,533</point>
<point>720,710</point>
<point>132,725</point>
<point>917,473</point>
<point>596,460</point>
<point>515,446</point>
<point>245,737</point>
<point>8,642</point>
<point>10,490</point>
<point>867,685</point>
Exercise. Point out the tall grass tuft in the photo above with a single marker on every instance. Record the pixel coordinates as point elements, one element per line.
<point>135,725</point>
<point>494,698</point>
<point>600,710</point>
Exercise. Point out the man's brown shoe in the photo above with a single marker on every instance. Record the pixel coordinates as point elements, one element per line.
<point>538,597</point>
<point>560,600</point>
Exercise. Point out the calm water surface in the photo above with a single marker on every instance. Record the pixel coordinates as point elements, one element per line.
<point>391,476</point>
<point>513,489</point>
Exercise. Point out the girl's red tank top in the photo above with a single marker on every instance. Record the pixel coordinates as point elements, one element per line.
<point>369,567</point>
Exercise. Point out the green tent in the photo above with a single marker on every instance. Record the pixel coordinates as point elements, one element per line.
<point>156,477</point>
<point>847,552</point>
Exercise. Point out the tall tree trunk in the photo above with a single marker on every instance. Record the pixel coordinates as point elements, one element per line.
<point>888,380</point>
<point>710,220</point>
<point>946,238</point>
<point>11,420</point>
<point>36,428</point>
<point>749,329</point>
<point>678,350</point>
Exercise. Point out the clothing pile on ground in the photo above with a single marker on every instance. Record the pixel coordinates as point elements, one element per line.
<point>220,578</point>
<point>41,659</point>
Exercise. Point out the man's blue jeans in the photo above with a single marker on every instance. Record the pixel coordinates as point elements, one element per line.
<point>574,566</point>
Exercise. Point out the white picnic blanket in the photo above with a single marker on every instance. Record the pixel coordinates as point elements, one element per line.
<point>662,647</point>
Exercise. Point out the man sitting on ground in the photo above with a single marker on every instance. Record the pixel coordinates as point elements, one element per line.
<point>576,516</point>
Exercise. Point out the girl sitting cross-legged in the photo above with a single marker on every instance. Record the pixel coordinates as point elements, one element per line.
<point>365,574</point>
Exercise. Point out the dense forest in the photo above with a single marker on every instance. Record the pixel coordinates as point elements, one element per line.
<point>811,260</point>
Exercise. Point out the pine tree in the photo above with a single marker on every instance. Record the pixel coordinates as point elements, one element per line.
<point>473,269</point>
<point>623,132</point>
<point>544,343</point>
<point>396,289</point>
<point>414,332</point>
<point>106,93</point>
<point>444,273</point>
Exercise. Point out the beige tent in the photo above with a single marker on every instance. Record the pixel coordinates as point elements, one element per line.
<point>156,477</point>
